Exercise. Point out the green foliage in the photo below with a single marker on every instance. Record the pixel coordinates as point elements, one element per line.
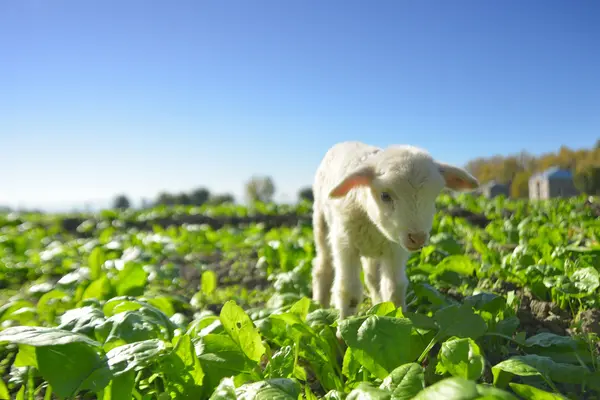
<point>121,306</point>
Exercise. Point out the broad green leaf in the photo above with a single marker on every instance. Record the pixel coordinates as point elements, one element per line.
<point>241,329</point>
<point>96,260</point>
<point>120,387</point>
<point>533,364</point>
<point>42,336</point>
<point>26,356</point>
<point>208,282</point>
<point>366,391</point>
<point>82,320</point>
<point>225,390</point>
<point>271,389</point>
<point>547,339</point>
<point>4,394</point>
<point>586,280</point>
<point>405,381</point>
<point>131,280</point>
<point>462,358</point>
<point>456,388</point>
<point>379,343</point>
<point>134,355</point>
<point>489,302</point>
<point>72,367</point>
<point>281,364</point>
<point>460,321</point>
<point>532,393</point>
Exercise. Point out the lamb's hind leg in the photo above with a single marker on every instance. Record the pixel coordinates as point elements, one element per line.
<point>372,278</point>
<point>322,273</point>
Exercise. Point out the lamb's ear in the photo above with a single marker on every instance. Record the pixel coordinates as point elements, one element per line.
<point>362,176</point>
<point>457,178</point>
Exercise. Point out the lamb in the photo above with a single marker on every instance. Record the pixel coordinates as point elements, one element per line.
<point>374,207</point>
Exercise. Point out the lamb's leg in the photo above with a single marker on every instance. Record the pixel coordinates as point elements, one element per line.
<point>394,281</point>
<point>347,286</point>
<point>372,278</point>
<point>322,273</point>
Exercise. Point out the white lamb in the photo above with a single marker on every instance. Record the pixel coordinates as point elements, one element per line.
<point>374,207</point>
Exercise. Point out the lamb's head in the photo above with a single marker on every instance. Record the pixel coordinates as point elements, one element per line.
<point>401,186</point>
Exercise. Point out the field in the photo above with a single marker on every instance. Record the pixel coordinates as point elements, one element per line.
<point>214,302</point>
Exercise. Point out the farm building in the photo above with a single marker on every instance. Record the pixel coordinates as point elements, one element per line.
<point>493,188</point>
<point>553,182</point>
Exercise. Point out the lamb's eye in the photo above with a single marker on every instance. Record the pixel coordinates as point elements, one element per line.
<point>385,197</point>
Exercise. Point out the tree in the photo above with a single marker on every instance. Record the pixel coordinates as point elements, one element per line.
<point>260,188</point>
<point>183,199</point>
<point>587,180</point>
<point>166,199</point>
<point>199,196</point>
<point>221,199</point>
<point>306,194</point>
<point>519,187</point>
<point>121,202</point>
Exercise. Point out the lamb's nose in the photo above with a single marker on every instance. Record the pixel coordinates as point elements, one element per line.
<point>417,239</point>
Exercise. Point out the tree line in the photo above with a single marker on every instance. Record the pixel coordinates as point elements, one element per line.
<point>257,188</point>
<point>516,169</point>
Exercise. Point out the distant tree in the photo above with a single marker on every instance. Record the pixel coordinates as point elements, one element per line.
<point>587,180</point>
<point>199,196</point>
<point>183,199</point>
<point>166,199</point>
<point>519,187</point>
<point>121,202</point>
<point>260,188</point>
<point>306,194</point>
<point>221,199</point>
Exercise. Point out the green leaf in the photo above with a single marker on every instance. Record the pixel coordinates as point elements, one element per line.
<point>547,339</point>
<point>4,394</point>
<point>82,320</point>
<point>456,388</point>
<point>459,263</point>
<point>405,381</point>
<point>120,387</point>
<point>366,391</point>
<point>379,343</point>
<point>281,364</point>
<point>271,389</point>
<point>241,329</point>
<point>532,364</point>
<point>42,336</point>
<point>225,390</point>
<point>72,367</point>
<point>462,358</point>
<point>586,280</point>
<point>135,355</point>
<point>96,260</point>
<point>208,282</point>
<point>489,302</point>
<point>131,280</point>
<point>460,321</point>
<point>532,393</point>
<point>26,357</point>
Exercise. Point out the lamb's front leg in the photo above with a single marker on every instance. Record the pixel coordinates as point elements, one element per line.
<point>394,281</point>
<point>347,288</point>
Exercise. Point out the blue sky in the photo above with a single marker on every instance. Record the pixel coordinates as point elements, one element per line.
<point>102,97</point>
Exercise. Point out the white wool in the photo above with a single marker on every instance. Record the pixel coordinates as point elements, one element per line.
<point>354,226</point>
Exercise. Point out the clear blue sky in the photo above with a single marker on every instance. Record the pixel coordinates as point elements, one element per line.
<point>109,96</point>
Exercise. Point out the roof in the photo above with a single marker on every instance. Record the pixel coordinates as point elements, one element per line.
<point>554,173</point>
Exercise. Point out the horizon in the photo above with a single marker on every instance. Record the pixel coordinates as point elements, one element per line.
<point>102,99</point>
